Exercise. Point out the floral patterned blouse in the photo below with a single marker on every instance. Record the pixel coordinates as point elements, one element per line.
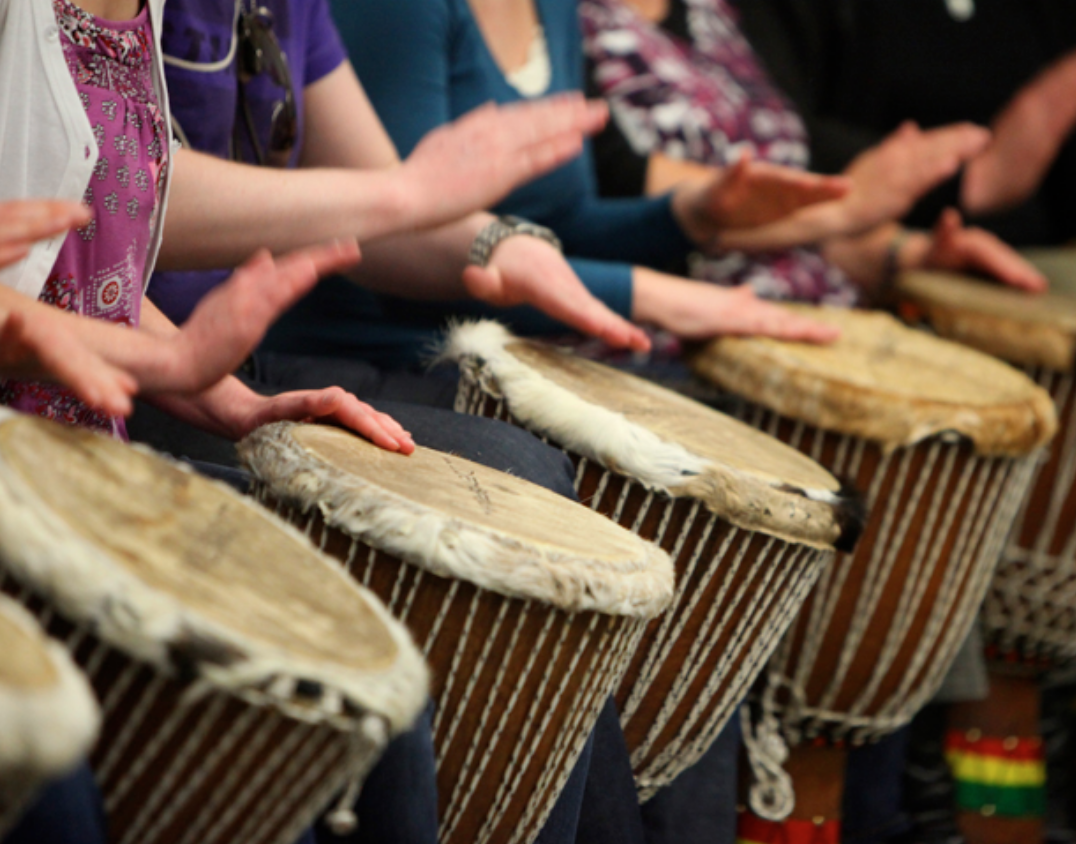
<point>702,95</point>
<point>100,270</point>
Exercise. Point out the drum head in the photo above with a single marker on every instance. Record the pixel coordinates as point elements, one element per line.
<point>464,520</point>
<point>1034,330</point>
<point>205,569</point>
<point>657,438</point>
<point>887,383</point>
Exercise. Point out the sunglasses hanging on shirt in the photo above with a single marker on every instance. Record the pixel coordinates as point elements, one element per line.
<point>258,51</point>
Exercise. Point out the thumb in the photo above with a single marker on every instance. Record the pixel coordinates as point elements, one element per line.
<point>484,283</point>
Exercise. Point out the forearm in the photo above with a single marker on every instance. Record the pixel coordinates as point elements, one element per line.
<point>420,265</point>
<point>664,173</point>
<point>221,212</point>
<point>869,259</point>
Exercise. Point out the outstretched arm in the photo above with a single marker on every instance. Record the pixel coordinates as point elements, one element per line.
<point>1028,134</point>
<point>458,169</point>
<point>104,363</point>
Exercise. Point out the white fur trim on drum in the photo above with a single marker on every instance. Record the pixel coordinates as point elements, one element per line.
<point>45,730</point>
<point>450,547</point>
<point>85,584</point>
<point>822,518</point>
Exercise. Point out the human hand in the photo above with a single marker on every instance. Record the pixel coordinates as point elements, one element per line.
<point>955,248</point>
<point>887,181</point>
<point>528,271</point>
<point>749,194</point>
<point>473,163</point>
<point>34,344</point>
<point>246,411</point>
<point>698,311</point>
<point>1027,136</point>
<point>24,222</point>
<point>230,322</point>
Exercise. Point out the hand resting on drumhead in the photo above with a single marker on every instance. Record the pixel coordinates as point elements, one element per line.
<point>951,246</point>
<point>105,363</point>
<point>528,271</point>
<point>229,408</point>
<point>955,247</point>
<point>695,310</point>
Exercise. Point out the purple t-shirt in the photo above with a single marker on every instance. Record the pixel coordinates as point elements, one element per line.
<point>200,34</point>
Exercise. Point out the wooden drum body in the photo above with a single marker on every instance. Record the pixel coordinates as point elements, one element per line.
<point>526,606</point>
<point>730,507</point>
<point>48,717</point>
<point>941,439</point>
<point>1030,610</point>
<point>243,679</point>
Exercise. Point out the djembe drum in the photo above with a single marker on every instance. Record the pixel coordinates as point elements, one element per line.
<point>942,439</point>
<point>1029,615</point>
<point>48,717</point>
<point>1030,610</point>
<point>526,606</point>
<point>749,524</point>
<point>244,678</point>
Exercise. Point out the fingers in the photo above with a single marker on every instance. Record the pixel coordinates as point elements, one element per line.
<point>339,406</point>
<point>560,294</point>
<point>35,349</point>
<point>957,248</point>
<point>25,222</point>
<point>987,254</point>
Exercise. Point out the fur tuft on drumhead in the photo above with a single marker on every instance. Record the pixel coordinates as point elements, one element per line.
<point>48,715</point>
<point>457,519</point>
<point>153,591</point>
<point>658,438</point>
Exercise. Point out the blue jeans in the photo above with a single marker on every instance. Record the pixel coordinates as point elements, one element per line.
<point>700,804</point>
<point>398,802</point>
<point>873,806</point>
<point>69,811</point>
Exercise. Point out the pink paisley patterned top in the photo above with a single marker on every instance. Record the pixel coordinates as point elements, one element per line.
<point>101,268</point>
<point>705,97</point>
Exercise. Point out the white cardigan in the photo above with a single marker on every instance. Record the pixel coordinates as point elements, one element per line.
<point>47,148</point>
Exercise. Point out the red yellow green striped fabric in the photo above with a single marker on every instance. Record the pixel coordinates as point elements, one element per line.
<point>754,830</point>
<point>998,776</point>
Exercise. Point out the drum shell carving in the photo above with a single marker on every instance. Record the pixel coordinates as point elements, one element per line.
<point>695,663</point>
<point>882,626</point>
<point>517,685</point>
<point>1030,610</point>
<point>180,765</point>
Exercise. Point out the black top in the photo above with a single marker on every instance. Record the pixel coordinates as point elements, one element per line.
<point>622,171</point>
<point>857,68</point>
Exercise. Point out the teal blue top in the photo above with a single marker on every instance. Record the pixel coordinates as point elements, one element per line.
<point>424,63</point>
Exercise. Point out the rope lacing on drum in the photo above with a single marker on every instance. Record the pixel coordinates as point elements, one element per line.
<point>342,820</point>
<point>772,797</point>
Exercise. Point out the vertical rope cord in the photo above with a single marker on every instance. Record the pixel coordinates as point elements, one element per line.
<point>457,659</point>
<point>481,737</point>
<point>214,815</point>
<point>168,796</point>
